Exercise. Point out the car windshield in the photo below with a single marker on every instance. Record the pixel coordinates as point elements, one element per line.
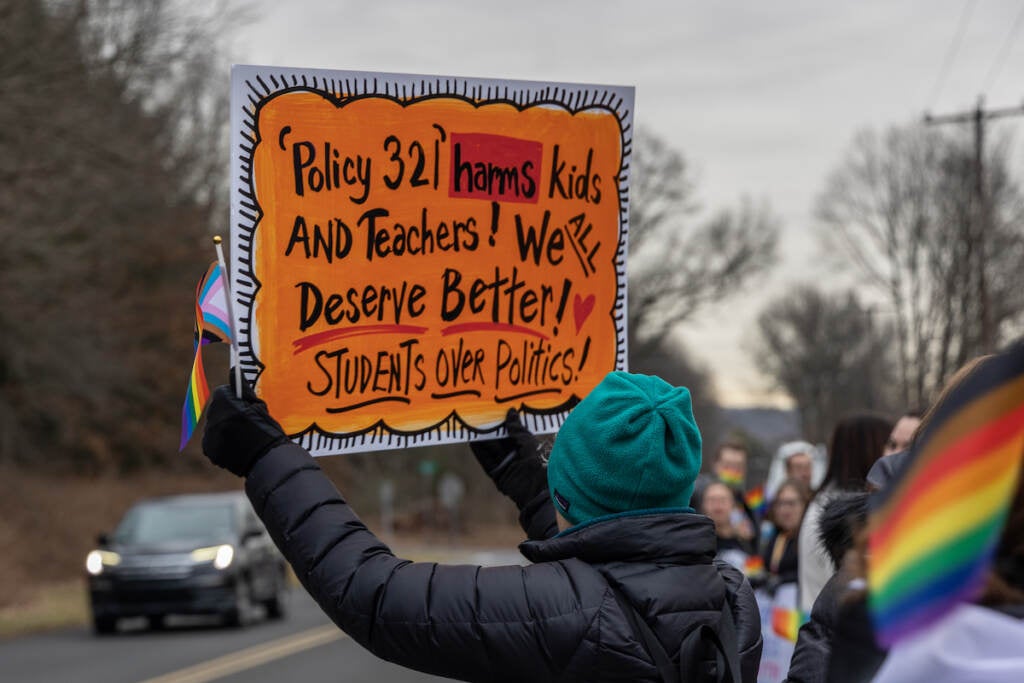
<point>164,522</point>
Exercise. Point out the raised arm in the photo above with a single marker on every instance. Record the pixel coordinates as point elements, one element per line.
<point>515,465</point>
<point>466,622</point>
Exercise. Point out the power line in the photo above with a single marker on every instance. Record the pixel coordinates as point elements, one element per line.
<point>1004,51</point>
<point>954,48</point>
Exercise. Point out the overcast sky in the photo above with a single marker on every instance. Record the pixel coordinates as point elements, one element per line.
<point>761,97</point>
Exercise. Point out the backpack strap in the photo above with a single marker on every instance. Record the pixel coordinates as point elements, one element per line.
<point>695,646</point>
<point>728,642</point>
<point>655,650</point>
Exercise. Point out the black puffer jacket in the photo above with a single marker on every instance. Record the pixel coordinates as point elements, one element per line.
<point>842,518</point>
<point>555,620</point>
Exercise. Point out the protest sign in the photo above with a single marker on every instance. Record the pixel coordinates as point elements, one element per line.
<point>412,255</point>
<point>777,648</point>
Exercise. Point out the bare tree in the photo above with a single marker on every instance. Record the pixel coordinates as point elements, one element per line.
<point>828,353</point>
<point>679,262</point>
<point>109,170</point>
<point>903,207</point>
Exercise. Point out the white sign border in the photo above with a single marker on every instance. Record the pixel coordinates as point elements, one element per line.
<point>252,84</point>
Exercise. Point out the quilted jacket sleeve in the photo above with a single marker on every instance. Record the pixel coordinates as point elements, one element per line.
<point>465,622</point>
<point>748,620</point>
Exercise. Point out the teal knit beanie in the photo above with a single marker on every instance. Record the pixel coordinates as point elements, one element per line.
<point>631,444</point>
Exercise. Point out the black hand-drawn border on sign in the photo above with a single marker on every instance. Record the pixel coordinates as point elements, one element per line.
<point>522,95</point>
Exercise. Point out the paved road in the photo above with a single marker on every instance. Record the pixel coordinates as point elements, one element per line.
<point>303,648</point>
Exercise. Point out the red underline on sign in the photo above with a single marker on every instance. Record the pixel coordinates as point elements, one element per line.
<point>490,327</point>
<point>309,341</point>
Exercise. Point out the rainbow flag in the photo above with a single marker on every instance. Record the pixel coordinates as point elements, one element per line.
<point>756,501</point>
<point>212,325</point>
<point>932,536</point>
<point>731,477</point>
<point>196,395</point>
<point>787,622</point>
<point>753,566</point>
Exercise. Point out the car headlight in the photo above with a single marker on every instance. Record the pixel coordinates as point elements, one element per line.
<point>220,555</point>
<point>96,560</point>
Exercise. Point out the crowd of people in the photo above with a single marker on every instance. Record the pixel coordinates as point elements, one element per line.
<point>771,530</point>
<point>642,568</point>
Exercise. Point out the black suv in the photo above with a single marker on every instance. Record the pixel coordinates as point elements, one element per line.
<point>190,554</point>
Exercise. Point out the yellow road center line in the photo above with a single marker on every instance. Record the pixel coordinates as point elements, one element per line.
<point>251,657</point>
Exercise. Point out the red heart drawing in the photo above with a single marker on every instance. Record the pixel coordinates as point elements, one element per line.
<point>581,309</point>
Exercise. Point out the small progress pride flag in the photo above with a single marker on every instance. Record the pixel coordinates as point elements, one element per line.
<point>932,537</point>
<point>212,322</point>
<point>212,325</point>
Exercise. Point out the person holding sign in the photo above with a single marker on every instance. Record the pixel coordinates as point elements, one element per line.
<point>628,590</point>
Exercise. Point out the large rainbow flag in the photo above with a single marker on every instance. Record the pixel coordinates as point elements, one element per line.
<point>212,325</point>
<point>933,534</point>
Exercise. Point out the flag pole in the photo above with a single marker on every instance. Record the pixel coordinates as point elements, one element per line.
<point>231,315</point>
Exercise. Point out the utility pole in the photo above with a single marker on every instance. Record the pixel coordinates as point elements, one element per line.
<point>978,117</point>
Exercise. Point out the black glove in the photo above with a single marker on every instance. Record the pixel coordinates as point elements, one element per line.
<point>239,431</point>
<point>515,465</point>
<point>494,455</point>
<point>513,461</point>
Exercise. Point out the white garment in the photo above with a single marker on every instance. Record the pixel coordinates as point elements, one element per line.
<point>971,645</point>
<point>814,568</point>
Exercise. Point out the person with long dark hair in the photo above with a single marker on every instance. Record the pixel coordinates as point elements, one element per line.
<point>856,443</point>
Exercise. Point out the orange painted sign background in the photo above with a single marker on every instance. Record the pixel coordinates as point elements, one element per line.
<point>422,264</point>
